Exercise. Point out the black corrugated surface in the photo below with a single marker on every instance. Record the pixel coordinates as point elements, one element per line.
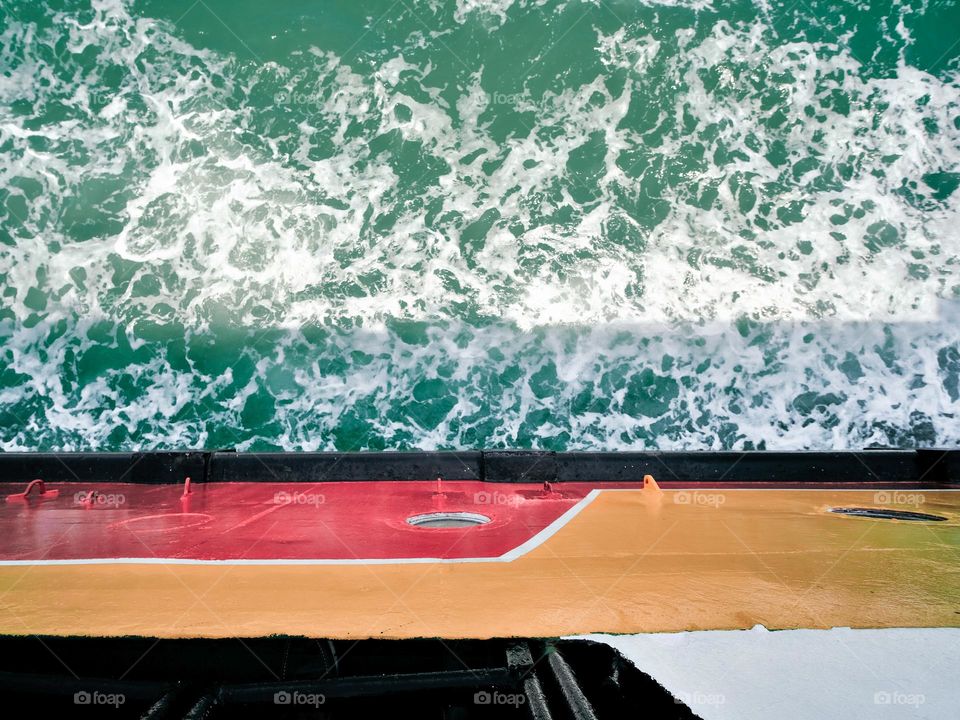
<point>317,467</point>
<point>152,467</point>
<point>930,467</point>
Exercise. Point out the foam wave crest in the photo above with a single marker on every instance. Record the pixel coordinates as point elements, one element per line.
<point>520,224</point>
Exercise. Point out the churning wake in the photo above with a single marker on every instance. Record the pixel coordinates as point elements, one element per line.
<point>561,225</point>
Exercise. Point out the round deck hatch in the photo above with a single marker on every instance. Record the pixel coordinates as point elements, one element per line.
<point>887,514</point>
<point>447,520</point>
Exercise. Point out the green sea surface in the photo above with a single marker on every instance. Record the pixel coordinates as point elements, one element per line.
<point>441,225</point>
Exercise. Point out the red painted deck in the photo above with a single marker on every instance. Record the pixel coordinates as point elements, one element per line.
<point>237,521</point>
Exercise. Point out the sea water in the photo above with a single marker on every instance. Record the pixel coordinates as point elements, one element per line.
<point>438,224</point>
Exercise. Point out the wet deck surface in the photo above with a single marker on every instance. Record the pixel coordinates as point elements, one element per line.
<point>232,521</point>
<point>629,561</point>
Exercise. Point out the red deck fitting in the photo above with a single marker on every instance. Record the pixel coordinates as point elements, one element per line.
<point>36,490</point>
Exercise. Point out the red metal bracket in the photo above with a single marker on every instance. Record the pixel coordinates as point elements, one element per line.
<point>36,490</point>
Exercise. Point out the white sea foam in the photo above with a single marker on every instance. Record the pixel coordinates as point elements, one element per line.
<point>220,219</point>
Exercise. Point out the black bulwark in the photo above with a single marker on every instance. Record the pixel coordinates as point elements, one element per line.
<point>929,467</point>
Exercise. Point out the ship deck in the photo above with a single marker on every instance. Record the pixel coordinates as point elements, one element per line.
<point>339,560</point>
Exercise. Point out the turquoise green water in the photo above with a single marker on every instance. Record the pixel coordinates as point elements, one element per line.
<point>368,225</point>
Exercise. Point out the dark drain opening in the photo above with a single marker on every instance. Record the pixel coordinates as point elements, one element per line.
<point>885,514</point>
